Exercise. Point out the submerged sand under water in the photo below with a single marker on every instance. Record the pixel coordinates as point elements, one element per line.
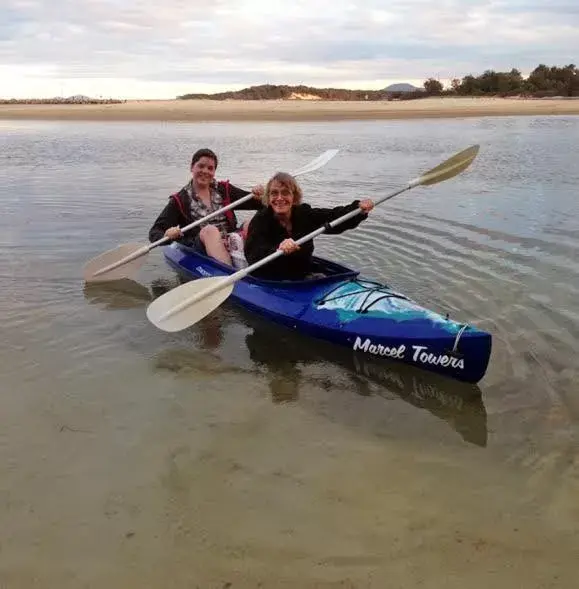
<point>209,484</point>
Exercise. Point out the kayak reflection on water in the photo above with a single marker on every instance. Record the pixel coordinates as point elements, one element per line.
<point>458,404</point>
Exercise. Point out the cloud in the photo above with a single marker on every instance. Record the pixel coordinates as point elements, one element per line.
<point>144,48</point>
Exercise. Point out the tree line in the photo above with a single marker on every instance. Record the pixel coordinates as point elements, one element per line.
<point>543,81</point>
<point>285,92</point>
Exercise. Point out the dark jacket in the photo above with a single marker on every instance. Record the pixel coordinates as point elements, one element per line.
<point>265,233</point>
<point>177,212</point>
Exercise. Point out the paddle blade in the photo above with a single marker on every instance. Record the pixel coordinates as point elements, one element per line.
<point>112,257</point>
<point>319,162</point>
<point>161,312</point>
<point>449,168</point>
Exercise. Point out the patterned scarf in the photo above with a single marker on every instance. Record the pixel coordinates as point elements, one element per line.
<point>199,209</point>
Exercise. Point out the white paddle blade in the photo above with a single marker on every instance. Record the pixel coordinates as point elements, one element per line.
<point>92,267</point>
<point>319,162</point>
<point>161,311</point>
<point>449,168</point>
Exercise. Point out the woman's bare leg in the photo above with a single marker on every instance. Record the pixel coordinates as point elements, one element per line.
<point>211,239</point>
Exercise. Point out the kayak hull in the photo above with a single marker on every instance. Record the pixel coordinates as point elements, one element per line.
<point>343,308</point>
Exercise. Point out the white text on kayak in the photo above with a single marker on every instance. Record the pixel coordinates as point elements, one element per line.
<point>419,353</point>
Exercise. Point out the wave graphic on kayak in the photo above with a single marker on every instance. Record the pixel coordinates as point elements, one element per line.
<point>371,299</point>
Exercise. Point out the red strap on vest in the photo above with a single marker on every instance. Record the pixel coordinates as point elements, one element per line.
<point>226,201</point>
<point>176,198</point>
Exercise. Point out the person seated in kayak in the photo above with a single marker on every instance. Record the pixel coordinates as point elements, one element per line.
<point>197,199</point>
<point>285,219</point>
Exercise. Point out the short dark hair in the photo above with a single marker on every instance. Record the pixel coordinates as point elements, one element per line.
<point>203,152</point>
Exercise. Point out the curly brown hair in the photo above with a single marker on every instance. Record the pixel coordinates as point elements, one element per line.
<point>287,181</point>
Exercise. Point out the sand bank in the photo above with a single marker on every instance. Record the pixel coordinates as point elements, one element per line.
<point>289,110</point>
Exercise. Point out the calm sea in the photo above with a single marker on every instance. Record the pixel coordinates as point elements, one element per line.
<point>235,453</point>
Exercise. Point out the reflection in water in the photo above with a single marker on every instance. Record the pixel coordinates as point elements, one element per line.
<point>184,361</point>
<point>117,294</point>
<point>282,368</point>
<point>459,404</point>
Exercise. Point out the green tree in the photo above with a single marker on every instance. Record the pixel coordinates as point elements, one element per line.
<point>433,87</point>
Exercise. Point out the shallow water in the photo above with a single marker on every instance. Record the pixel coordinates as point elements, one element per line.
<point>236,452</point>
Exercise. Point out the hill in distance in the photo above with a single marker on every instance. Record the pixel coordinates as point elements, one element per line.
<point>404,87</point>
<point>274,92</point>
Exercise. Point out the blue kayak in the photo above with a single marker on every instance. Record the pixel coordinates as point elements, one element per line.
<point>343,308</point>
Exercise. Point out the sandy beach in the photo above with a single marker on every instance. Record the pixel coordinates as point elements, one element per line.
<point>290,110</point>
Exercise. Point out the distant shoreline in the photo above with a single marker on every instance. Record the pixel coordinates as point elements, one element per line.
<point>290,110</point>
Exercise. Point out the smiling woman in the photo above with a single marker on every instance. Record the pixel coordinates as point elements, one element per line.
<point>287,218</point>
<point>201,197</point>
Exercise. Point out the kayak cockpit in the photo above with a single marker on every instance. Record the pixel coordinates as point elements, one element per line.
<point>323,271</point>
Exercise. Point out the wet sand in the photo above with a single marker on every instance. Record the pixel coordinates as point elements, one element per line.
<point>214,490</point>
<point>289,110</point>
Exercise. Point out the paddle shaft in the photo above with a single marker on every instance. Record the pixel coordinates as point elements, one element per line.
<point>245,271</point>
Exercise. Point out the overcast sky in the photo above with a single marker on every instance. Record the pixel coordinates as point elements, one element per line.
<point>163,48</point>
